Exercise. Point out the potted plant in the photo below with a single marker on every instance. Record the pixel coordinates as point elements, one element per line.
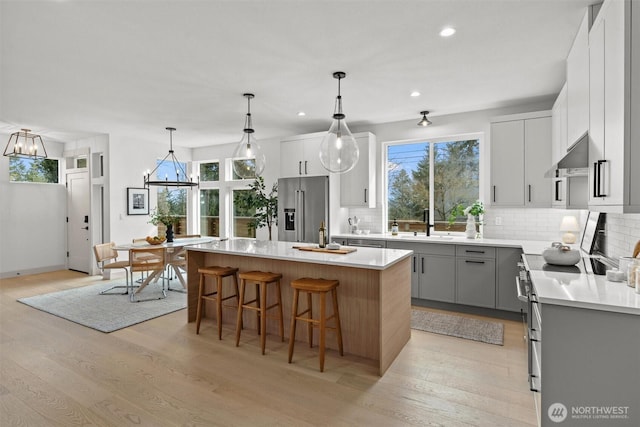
<point>159,216</point>
<point>265,204</point>
<point>472,212</point>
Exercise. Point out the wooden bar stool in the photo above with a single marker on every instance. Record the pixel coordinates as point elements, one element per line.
<point>261,280</point>
<point>219,273</point>
<point>319,287</point>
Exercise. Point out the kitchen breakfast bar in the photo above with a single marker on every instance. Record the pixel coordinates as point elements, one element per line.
<point>374,293</point>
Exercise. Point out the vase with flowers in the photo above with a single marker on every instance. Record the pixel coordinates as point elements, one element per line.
<point>159,216</point>
<point>472,212</point>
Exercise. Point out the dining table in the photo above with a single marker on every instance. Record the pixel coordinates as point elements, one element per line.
<point>172,251</point>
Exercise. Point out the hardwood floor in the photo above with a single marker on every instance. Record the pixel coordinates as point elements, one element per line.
<point>160,373</point>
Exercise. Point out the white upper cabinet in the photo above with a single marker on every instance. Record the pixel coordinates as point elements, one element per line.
<point>578,83</point>
<point>358,186</point>
<point>612,148</point>
<point>520,157</point>
<point>300,155</point>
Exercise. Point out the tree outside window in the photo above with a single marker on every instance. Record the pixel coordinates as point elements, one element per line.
<point>455,180</point>
<point>33,170</point>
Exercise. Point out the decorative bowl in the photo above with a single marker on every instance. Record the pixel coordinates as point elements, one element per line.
<point>155,240</point>
<point>561,255</point>
<point>333,246</point>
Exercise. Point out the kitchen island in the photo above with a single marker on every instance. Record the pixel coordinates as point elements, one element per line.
<point>374,293</point>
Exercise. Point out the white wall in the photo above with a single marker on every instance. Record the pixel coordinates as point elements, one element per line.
<point>32,221</point>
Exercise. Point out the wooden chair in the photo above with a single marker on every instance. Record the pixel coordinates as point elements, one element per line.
<point>107,259</point>
<point>219,273</point>
<point>261,280</point>
<point>179,260</point>
<point>318,287</point>
<point>150,260</point>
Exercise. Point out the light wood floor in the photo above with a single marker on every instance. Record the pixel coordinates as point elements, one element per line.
<point>160,373</point>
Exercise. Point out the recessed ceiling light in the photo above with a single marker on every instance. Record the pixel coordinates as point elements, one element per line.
<point>447,32</point>
<point>415,93</point>
<point>301,113</point>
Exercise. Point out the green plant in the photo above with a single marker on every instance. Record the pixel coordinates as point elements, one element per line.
<point>265,204</point>
<point>161,216</point>
<point>476,209</point>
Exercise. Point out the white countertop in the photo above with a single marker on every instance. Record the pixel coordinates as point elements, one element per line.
<point>528,246</point>
<point>368,258</point>
<point>585,291</point>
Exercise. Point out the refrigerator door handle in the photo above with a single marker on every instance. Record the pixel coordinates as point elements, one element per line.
<point>300,209</point>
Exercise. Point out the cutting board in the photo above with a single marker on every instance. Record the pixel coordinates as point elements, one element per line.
<point>342,251</point>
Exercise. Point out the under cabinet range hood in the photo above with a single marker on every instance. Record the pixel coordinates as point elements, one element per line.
<point>575,162</point>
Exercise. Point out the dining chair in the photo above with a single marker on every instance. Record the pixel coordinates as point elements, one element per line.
<point>107,259</point>
<point>150,260</point>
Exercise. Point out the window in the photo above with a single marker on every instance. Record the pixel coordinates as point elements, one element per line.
<point>435,176</point>
<point>172,200</point>
<point>33,170</point>
<point>210,171</point>
<point>249,165</point>
<point>210,212</point>
<point>242,214</point>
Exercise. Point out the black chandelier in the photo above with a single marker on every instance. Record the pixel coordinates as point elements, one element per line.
<point>181,179</point>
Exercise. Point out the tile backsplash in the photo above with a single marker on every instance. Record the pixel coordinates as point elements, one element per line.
<point>622,230</point>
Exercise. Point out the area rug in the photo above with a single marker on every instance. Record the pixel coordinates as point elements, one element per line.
<point>458,326</point>
<point>106,313</point>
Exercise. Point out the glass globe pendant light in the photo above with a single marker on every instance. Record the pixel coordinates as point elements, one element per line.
<point>248,157</point>
<point>339,151</point>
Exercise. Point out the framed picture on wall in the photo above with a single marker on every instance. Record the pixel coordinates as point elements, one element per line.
<point>137,201</point>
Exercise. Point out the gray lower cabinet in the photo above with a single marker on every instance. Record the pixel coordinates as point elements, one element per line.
<point>506,271</point>
<point>433,270</point>
<point>476,276</point>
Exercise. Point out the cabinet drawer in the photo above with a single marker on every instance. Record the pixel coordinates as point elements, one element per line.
<point>474,251</point>
<point>423,248</point>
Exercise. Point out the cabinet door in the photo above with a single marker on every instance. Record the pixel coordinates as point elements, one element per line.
<point>311,164</point>
<point>476,282</point>
<point>291,155</point>
<point>537,143</point>
<point>596,105</point>
<point>358,186</point>
<point>578,83</point>
<point>506,271</point>
<point>438,279</point>
<point>507,163</point>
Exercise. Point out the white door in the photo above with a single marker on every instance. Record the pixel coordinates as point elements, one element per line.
<point>78,225</point>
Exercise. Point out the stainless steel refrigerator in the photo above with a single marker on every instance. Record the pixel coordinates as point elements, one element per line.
<point>303,203</point>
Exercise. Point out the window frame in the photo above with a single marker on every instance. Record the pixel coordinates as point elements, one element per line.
<point>479,136</point>
<point>59,178</point>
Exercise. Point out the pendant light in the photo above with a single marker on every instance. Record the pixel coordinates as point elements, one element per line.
<point>424,121</point>
<point>171,163</point>
<point>339,150</point>
<point>26,145</point>
<point>248,157</point>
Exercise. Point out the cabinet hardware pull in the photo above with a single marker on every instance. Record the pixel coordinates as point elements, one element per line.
<point>529,193</point>
<point>600,178</point>
<point>468,261</point>
<point>422,261</point>
<point>494,193</point>
<point>414,263</point>
<point>305,168</point>
<point>365,195</point>
<point>471,251</point>
<point>300,167</point>
<point>558,184</point>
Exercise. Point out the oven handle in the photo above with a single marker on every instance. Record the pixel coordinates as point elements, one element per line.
<point>522,291</point>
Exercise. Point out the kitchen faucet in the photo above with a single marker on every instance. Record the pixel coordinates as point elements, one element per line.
<point>425,219</point>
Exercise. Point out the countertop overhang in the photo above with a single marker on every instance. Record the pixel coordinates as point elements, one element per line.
<point>368,258</point>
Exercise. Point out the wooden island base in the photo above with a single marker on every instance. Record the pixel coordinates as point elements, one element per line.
<point>375,305</point>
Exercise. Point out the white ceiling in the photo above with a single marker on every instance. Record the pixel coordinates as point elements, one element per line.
<point>75,68</point>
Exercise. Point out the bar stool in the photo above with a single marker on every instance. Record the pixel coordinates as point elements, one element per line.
<point>261,280</point>
<point>319,287</point>
<point>219,273</point>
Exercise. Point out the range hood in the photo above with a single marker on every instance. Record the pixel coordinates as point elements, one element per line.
<point>575,162</point>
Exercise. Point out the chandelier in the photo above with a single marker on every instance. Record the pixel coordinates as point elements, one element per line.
<point>170,163</point>
<point>26,145</point>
